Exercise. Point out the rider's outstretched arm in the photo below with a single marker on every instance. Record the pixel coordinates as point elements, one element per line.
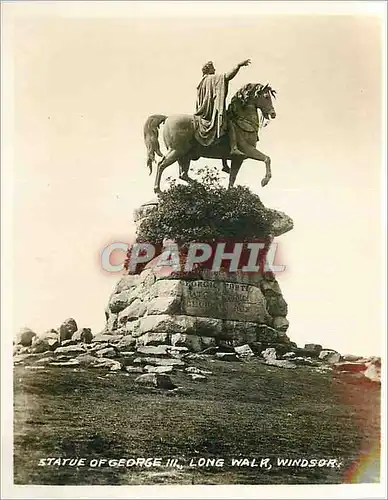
<point>233,73</point>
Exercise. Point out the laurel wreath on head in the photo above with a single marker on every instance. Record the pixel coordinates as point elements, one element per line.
<point>252,90</point>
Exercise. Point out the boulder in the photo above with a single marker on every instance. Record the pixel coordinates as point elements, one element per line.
<point>192,342</point>
<point>226,356</point>
<point>177,351</point>
<point>83,335</point>
<point>71,362</point>
<point>276,306</point>
<point>107,352</point>
<point>289,355</point>
<point>158,369</point>
<point>159,350</point>
<point>67,329</point>
<point>304,361</point>
<point>112,364</point>
<point>158,380</point>
<point>317,348</point>
<point>373,373</point>
<point>281,323</point>
<point>166,323</point>
<point>25,337</point>
<point>267,334</point>
<point>153,339</point>
<point>198,371</point>
<point>269,353</point>
<point>111,339</point>
<point>197,376</point>
<point>134,311</point>
<point>350,357</point>
<point>119,301</point>
<point>68,342</point>
<point>48,341</point>
<point>329,356</point>
<point>70,350</point>
<point>87,360</point>
<point>244,351</point>
<point>126,283</point>
<point>256,347</point>
<point>126,343</point>
<point>208,342</point>
<point>280,363</point>
<point>159,361</point>
<point>111,322</point>
<point>134,369</point>
<point>163,305</point>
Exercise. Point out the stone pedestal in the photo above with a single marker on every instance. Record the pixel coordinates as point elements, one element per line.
<point>199,310</point>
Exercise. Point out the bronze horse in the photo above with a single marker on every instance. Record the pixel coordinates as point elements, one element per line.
<point>178,134</point>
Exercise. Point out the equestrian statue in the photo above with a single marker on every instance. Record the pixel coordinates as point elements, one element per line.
<point>214,131</point>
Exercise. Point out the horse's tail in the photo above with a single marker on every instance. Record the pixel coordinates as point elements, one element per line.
<point>151,132</point>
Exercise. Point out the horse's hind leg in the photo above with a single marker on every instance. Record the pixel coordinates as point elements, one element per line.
<point>225,166</point>
<point>234,168</point>
<point>171,156</point>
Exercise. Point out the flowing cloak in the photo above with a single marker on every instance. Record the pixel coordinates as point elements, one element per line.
<point>210,115</point>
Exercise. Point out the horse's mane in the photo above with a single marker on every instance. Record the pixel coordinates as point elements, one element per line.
<point>248,91</point>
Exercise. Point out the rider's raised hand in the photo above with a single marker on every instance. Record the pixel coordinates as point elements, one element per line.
<point>245,63</point>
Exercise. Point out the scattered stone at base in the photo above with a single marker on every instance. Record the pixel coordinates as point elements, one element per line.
<point>112,364</point>
<point>313,348</point>
<point>177,351</point>
<point>83,335</point>
<point>157,350</point>
<point>134,369</point>
<point>244,351</point>
<point>304,361</point>
<point>281,363</point>
<point>87,360</point>
<point>159,361</point>
<point>226,356</point>
<point>126,343</point>
<point>111,339</point>
<point>289,355</point>
<point>25,336</point>
<point>351,357</point>
<point>192,342</point>
<point>45,361</point>
<point>158,380</point>
<point>65,343</point>
<point>329,356</point>
<point>71,349</point>
<point>269,353</point>
<point>158,369</point>
<point>67,329</point>
<point>198,371</point>
<point>107,352</point>
<point>71,362</point>
<point>373,373</point>
<point>197,376</point>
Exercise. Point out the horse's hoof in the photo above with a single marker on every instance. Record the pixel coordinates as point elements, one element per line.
<point>264,182</point>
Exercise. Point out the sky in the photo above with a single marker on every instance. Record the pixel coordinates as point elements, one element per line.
<point>80,81</point>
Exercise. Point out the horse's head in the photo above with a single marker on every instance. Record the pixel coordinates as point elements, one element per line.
<point>263,100</point>
<point>257,95</point>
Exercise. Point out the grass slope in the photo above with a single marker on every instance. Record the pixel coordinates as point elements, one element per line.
<point>244,409</point>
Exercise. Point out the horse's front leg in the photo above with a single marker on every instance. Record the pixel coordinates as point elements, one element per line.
<point>234,168</point>
<point>251,152</point>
